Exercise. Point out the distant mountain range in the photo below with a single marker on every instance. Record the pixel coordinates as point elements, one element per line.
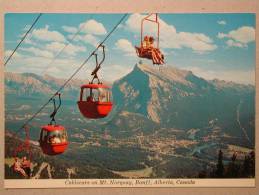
<point>153,96</point>
<point>36,86</point>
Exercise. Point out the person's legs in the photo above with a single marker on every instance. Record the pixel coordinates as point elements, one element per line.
<point>154,57</point>
<point>158,56</point>
<point>22,172</point>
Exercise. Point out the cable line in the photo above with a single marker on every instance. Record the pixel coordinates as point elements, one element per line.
<point>69,79</point>
<point>58,54</point>
<point>25,35</point>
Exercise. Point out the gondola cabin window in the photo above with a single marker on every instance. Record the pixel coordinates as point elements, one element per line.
<point>97,95</point>
<point>54,137</point>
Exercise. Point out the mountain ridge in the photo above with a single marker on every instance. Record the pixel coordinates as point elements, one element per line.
<point>169,73</point>
<point>167,96</point>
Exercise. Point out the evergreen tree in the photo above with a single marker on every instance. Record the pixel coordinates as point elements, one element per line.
<point>248,168</point>
<point>233,167</point>
<point>252,157</point>
<point>220,166</point>
<point>202,174</point>
<point>245,168</point>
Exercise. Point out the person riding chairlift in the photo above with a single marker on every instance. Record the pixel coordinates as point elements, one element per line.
<point>148,44</point>
<point>151,42</point>
<point>145,42</point>
<point>26,166</point>
<point>17,166</point>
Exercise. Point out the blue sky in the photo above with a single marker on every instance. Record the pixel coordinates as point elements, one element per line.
<point>211,45</point>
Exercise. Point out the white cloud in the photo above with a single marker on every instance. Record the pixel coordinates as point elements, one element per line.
<point>69,29</point>
<point>238,76</point>
<point>126,47</point>
<point>75,38</point>
<point>38,52</point>
<point>113,72</point>
<point>133,23</point>
<point>232,43</point>
<point>88,29</point>
<point>93,27</point>
<point>70,49</point>
<point>73,49</point>
<point>239,37</point>
<point>29,41</point>
<point>54,46</point>
<point>243,34</point>
<point>221,35</point>
<point>7,53</point>
<point>63,68</point>
<point>200,43</point>
<point>54,70</point>
<point>169,37</point>
<point>44,34</point>
<point>222,22</point>
<point>90,39</point>
<point>27,27</point>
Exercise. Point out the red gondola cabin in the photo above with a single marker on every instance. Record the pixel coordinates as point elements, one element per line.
<point>53,139</point>
<point>95,101</point>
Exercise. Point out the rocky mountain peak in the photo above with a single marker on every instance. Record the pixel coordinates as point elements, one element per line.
<point>167,73</point>
<point>174,97</point>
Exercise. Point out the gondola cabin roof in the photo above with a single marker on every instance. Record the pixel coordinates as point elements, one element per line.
<point>53,128</point>
<point>95,86</point>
